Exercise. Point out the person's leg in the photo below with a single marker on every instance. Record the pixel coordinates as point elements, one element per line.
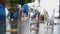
<point>2,31</point>
<point>2,27</point>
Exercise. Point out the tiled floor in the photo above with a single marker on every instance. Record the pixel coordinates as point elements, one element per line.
<point>24,27</point>
<point>57,27</point>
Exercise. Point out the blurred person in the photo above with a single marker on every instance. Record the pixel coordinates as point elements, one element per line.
<point>13,13</point>
<point>25,11</point>
<point>15,18</point>
<point>35,15</point>
<point>44,16</point>
<point>2,17</point>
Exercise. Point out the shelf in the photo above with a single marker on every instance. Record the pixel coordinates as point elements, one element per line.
<point>34,29</point>
<point>13,30</point>
<point>49,27</point>
<point>33,23</point>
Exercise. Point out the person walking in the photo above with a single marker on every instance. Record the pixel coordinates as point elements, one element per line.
<point>2,17</point>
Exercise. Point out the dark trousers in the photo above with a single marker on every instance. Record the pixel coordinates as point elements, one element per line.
<point>2,26</point>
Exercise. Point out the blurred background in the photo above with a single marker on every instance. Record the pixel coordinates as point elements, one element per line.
<point>30,16</point>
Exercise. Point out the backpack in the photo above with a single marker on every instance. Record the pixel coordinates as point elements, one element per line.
<point>2,12</point>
